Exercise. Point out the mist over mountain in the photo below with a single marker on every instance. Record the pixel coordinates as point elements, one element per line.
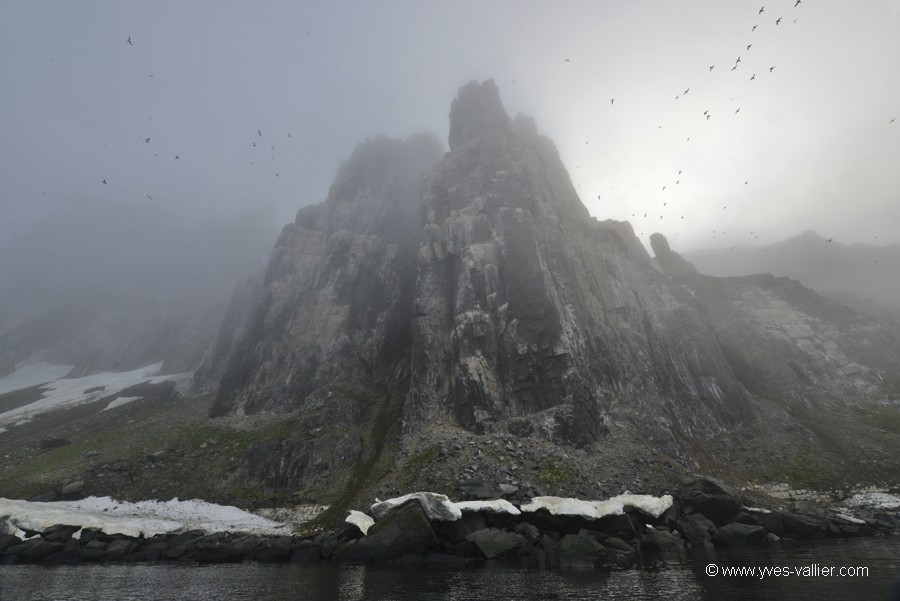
<point>865,276</point>
<point>107,285</point>
<point>431,298</point>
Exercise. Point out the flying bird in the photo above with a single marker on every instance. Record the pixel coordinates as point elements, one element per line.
<point>129,41</point>
<point>254,145</point>
<point>612,100</point>
<point>711,67</point>
<point>147,140</point>
<point>778,21</point>
<point>892,120</point>
<point>796,3</point>
<point>753,77</point>
<point>688,90</point>
<point>737,111</point>
<point>749,46</point>
<point>104,181</point>
<point>754,28</point>
<point>734,68</point>
<point>566,61</point>
<point>830,239</point>
<point>771,69</point>
<point>177,157</point>
<point>745,183</point>
<point>761,10</point>
<point>258,133</point>
<point>289,134</point>
<point>707,118</point>
<point>738,60</point>
<point>150,197</point>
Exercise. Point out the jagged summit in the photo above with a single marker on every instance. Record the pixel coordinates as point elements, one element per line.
<point>472,291</point>
<point>477,112</point>
<point>669,261</point>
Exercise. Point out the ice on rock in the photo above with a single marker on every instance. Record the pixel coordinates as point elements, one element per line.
<point>652,506</point>
<point>360,520</point>
<point>437,507</point>
<point>147,518</point>
<point>493,506</point>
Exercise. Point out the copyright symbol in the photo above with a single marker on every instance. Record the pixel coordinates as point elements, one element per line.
<point>712,569</point>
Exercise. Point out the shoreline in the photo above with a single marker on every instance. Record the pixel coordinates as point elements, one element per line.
<point>546,533</point>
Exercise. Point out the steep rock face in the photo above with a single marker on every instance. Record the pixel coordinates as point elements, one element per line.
<point>335,300</point>
<point>486,297</point>
<point>530,315</point>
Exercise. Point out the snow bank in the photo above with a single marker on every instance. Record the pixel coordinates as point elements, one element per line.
<point>653,506</point>
<point>67,391</point>
<point>436,506</point>
<point>494,506</point>
<point>875,499</point>
<point>147,518</point>
<point>360,520</point>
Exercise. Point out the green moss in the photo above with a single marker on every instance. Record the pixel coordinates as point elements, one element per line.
<point>810,467</point>
<point>558,472</point>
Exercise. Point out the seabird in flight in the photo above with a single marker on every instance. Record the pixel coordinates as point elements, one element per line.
<point>778,21</point>
<point>129,41</point>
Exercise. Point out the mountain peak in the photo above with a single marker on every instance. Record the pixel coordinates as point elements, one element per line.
<point>476,111</point>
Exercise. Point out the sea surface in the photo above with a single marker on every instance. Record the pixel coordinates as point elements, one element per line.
<point>670,578</point>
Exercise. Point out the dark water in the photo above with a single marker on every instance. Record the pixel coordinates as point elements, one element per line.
<point>673,578</point>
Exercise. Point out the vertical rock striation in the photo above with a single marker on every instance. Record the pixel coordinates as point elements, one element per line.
<point>486,297</point>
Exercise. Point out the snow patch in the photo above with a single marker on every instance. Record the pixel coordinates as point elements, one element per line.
<point>62,391</point>
<point>493,506</point>
<point>360,520</point>
<point>119,401</point>
<point>874,499</point>
<point>147,518</point>
<point>33,374</point>
<point>652,506</point>
<point>437,507</point>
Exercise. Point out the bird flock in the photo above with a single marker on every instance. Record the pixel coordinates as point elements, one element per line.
<point>176,156</point>
<point>754,73</point>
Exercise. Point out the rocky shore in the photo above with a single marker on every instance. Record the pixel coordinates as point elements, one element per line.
<point>546,533</point>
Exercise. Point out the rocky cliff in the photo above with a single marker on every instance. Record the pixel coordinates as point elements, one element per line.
<point>473,292</point>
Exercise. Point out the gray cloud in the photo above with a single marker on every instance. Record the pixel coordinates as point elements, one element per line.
<point>812,138</point>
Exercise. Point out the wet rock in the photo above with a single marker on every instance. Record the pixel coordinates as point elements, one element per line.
<point>696,529</point>
<point>33,550</point>
<point>803,526</point>
<point>714,500</point>
<point>661,540</point>
<point>275,549</point>
<point>738,534</point>
<point>497,544</point>
<point>59,534</point>
<point>580,552</point>
<point>404,530</point>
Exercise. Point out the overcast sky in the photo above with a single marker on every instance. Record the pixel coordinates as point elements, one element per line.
<point>811,147</point>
